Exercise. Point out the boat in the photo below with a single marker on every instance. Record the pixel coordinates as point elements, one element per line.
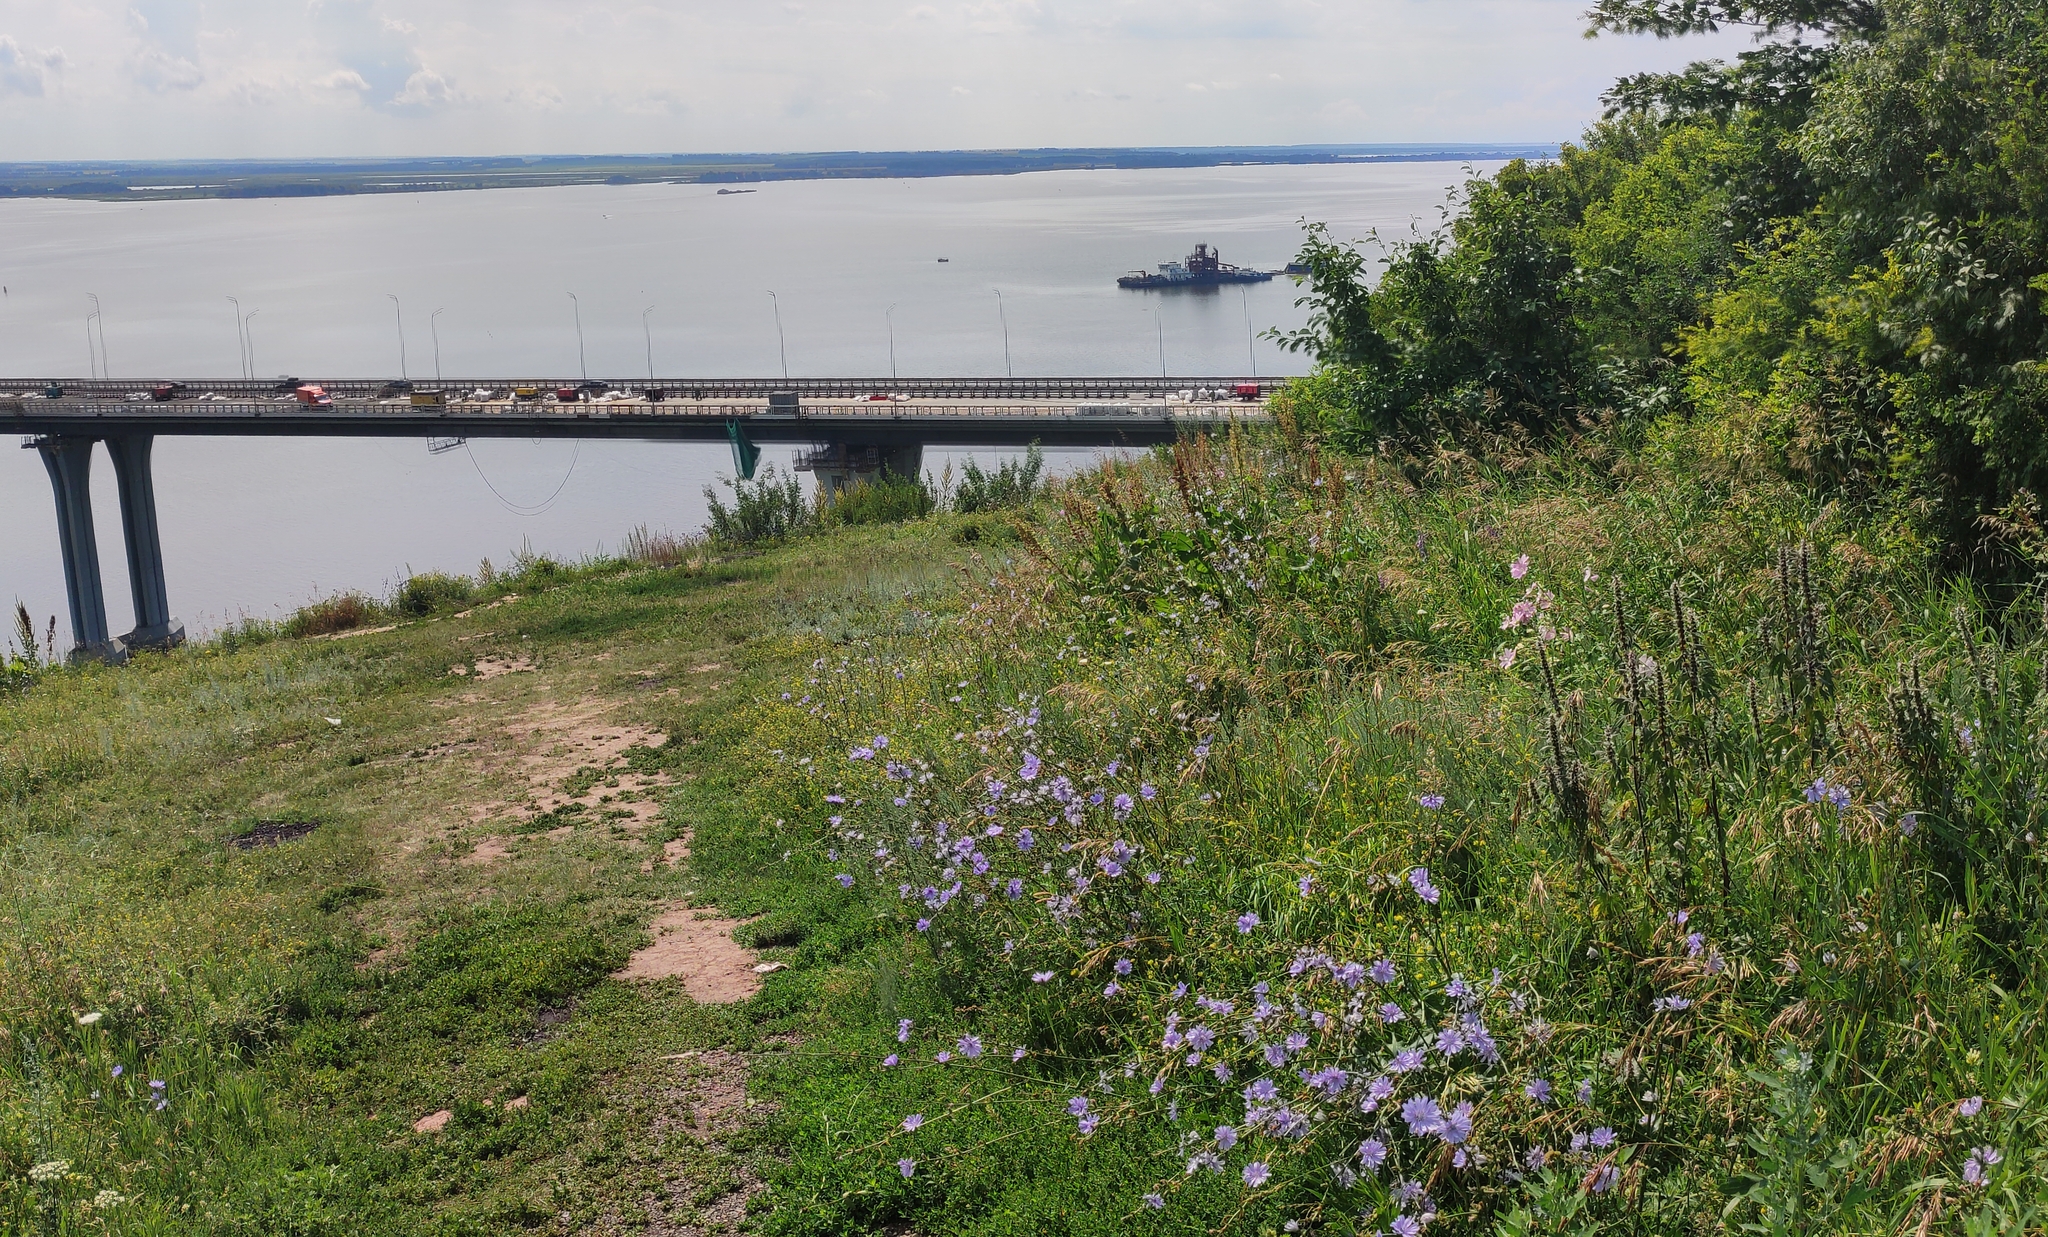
<point>1204,268</point>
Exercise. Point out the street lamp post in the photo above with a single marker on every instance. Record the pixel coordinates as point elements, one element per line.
<point>890,318</point>
<point>435,327</point>
<point>250,336</point>
<point>400,311</point>
<point>648,331</point>
<point>1250,340</point>
<point>1005,316</point>
<point>106,366</point>
<point>780,342</point>
<point>580,360</point>
<point>239,342</point>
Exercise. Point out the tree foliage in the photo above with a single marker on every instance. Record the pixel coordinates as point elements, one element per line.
<point>1830,257</point>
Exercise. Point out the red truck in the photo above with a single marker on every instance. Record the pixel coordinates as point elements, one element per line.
<point>313,395</point>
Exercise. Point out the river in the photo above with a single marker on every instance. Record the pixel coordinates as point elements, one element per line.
<point>675,275</point>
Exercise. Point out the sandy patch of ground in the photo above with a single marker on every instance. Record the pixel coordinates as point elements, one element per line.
<point>360,631</point>
<point>493,667</point>
<point>506,600</point>
<point>487,851</point>
<point>433,1122</point>
<point>696,946</point>
<point>705,1102</point>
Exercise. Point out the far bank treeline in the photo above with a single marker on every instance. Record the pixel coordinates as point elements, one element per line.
<point>1828,260</point>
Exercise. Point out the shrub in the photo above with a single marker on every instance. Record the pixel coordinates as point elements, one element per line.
<point>888,499</point>
<point>770,509</point>
<point>423,594</point>
<point>1012,484</point>
<point>663,549</point>
<point>341,612</point>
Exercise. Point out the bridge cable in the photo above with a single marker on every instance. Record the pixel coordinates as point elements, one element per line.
<point>515,508</point>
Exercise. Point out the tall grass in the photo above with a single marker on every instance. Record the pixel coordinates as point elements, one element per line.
<point>1689,847</point>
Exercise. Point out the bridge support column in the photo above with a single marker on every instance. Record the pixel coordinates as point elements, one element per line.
<point>69,462</point>
<point>841,466</point>
<point>154,626</point>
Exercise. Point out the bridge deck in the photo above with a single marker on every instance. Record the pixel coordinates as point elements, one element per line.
<point>1056,412</point>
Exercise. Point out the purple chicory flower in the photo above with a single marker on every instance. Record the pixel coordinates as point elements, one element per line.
<point>1968,1108</point>
<point>1372,1153</point>
<point>969,1046</point>
<point>1039,977</point>
<point>903,1026</point>
<point>1520,567</point>
<point>1418,878</point>
<point>1226,1138</point>
<point>890,1060</point>
<point>1382,972</point>
<point>845,881</point>
<point>1077,1106</point>
<point>1538,1090</point>
<point>1156,1202</point>
<point>1432,802</point>
<point>1029,772</point>
<point>1246,922</point>
<point>911,1122</point>
<point>906,1167</point>
<point>1422,1115</point>
<point>1257,1174</point>
<point>1087,1124</point>
<point>1602,1138</point>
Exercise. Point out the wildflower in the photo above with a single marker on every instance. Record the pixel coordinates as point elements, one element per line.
<point>106,1200</point>
<point>1432,802</point>
<point>1032,765</point>
<point>1457,1125</point>
<point>969,1046</point>
<point>890,1060</point>
<point>1382,972</point>
<point>1256,1174</point>
<point>1018,1055</point>
<point>1450,1041</point>
<point>845,881</point>
<point>1909,822</point>
<point>924,925</point>
<point>1670,1004</point>
<point>1377,1092</point>
<point>1261,1091</point>
<point>1305,884</point>
<point>1015,889</point>
<point>943,1057</point>
<point>119,1070</point>
<point>1695,944</point>
<point>1406,1063</point>
<point>1968,1108</point>
<point>1520,567</point>
<point>1124,805</point>
<point>1372,1153</point>
<point>911,1122</point>
<point>1155,1201</point>
<point>1419,879</point>
<point>1585,1092</point>
<point>1606,1179</point>
<point>1087,1124</point>
<point>1147,791</point>
<point>906,1167</point>
<point>1077,1106</point>
<point>86,1020</point>
<point>1973,1172</point>
<point>1407,1226</point>
<point>1226,1138</point>
<point>1246,922</point>
<point>1039,977</point>
<point>1422,1115</point>
<point>903,1026</point>
<point>1536,1158</point>
<point>1206,1159</point>
<point>1457,989</point>
<point>1112,988</point>
<point>1123,966</point>
<point>1507,657</point>
<point>1201,1038</point>
<point>1152,878</point>
<point>1602,1138</point>
<point>48,1171</point>
<point>1522,612</point>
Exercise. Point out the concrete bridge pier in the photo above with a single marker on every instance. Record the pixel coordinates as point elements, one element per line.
<point>155,628</point>
<point>840,466</point>
<point>69,462</point>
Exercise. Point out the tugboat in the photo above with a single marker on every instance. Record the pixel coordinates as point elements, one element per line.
<point>1204,268</point>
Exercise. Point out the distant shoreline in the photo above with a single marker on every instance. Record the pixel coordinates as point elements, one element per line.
<point>276,178</point>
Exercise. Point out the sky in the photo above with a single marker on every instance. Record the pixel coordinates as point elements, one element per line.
<point>167,79</point>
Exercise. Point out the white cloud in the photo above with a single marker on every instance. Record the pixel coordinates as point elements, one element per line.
<point>426,89</point>
<point>25,70</point>
<point>178,78</point>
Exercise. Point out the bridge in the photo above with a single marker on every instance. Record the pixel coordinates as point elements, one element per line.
<point>852,429</point>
